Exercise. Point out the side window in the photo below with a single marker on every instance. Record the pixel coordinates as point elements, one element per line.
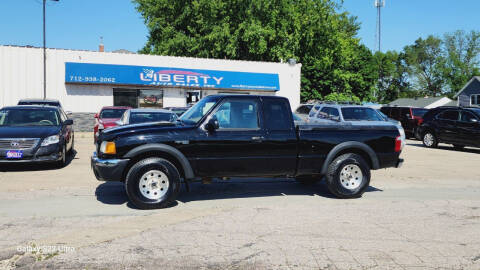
<point>276,114</point>
<point>303,109</point>
<point>449,115</point>
<point>240,114</point>
<point>385,110</point>
<point>323,113</point>
<point>334,113</point>
<point>467,117</point>
<point>395,113</point>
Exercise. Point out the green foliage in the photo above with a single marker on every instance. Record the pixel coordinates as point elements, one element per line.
<point>462,59</point>
<point>339,97</point>
<point>392,75</point>
<point>311,31</point>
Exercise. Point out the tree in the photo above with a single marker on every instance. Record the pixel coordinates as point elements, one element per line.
<point>392,76</point>
<point>425,61</point>
<point>462,52</point>
<point>311,31</point>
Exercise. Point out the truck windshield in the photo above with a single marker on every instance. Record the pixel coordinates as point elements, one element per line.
<point>194,114</point>
<point>360,114</point>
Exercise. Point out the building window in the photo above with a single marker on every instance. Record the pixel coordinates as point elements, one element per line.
<point>475,100</point>
<point>136,98</point>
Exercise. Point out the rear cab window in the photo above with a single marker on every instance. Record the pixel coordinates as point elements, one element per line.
<point>276,114</point>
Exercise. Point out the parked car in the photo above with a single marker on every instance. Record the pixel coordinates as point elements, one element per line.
<point>355,115</point>
<point>30,133</point>
<point>303,110</point>
<point>453,125</point>
<point>39,101</point>
<point>107,118</point>
<point>245,136</point>
<point>138,116</point>
<point>410,118</point>
<point>177,110</point>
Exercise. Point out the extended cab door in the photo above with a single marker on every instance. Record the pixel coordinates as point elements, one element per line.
<point>280,142</point>
<point>235,147</point>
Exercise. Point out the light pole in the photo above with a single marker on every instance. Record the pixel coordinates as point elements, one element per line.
<point>44,54</point>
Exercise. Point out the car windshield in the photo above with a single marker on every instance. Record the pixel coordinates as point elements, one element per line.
<point>29,117</point>
<point>360,114</point>
<point>144,117</point>
<point>112,113</point>
<point>194,114</point>
<point>419,112</point>
<point>476,111</point>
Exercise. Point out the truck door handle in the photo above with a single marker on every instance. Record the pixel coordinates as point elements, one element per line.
<point>257,138</point>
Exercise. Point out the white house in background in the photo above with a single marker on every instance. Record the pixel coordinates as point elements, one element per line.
<point>469,95</point>
<point>426,102</point>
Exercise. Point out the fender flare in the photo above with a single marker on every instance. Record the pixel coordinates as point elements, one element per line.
<point>351,145</point>
<point>187,169</point>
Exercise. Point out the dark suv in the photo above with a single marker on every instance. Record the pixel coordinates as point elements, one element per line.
<point>453,125</point>
<point>410,118</point>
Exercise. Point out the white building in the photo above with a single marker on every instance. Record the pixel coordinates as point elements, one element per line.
<point>85,81</point>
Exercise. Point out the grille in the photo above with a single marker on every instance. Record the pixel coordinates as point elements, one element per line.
<point>12,144</point>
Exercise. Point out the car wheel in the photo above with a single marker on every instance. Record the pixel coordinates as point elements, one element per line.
<point>152,183</point>
<point>308,179</point>
<point>430,140</point>
<point>72,147</point>
<point>62,162</point>
<point>458,147</point>
<point>348,176</point>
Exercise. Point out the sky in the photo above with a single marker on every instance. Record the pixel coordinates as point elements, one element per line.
<point>79,24</point>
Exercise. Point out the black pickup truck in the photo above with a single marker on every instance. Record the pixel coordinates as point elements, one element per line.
<point>241,136</point>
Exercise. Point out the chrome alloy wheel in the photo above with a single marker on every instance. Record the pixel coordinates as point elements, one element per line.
<point>351,176</point>
<point>428,139</point>
<point>153,184</point>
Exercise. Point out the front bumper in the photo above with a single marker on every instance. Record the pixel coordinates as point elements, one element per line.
<point>50,153</point>
<point>108,169</point>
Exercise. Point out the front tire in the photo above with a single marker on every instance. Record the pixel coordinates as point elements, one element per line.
<point>429,140</point>
<point>152,183</point>
<point>63,162</point>
<point>348,176</point>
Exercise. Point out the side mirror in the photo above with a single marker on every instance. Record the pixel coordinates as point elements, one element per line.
<point>212,124</point>
<point>96,115</point>
<point>68,122</point>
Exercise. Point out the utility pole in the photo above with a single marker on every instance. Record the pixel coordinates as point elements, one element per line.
<point>44,53</point>
<point>379,4</point>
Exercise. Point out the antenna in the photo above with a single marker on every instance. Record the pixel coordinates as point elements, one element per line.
<point>379,4</point>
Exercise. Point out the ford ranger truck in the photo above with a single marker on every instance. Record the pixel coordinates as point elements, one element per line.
<point>242,136</point>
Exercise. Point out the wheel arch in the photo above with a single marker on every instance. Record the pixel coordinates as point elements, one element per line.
<point>359,148</point>
<point>162,151</point>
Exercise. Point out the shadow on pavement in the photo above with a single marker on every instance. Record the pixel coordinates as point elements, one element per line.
<point>448,147</point>
<point>19,167</point>
<point>114,192</point>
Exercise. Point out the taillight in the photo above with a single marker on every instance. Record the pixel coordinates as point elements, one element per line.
<point>398,144</point>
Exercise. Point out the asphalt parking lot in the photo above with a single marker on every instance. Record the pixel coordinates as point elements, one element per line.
<point>425,215</point>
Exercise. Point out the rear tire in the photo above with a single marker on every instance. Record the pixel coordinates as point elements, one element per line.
<point>348,176</point>
<point>152,183</point>
<point>429,140</point>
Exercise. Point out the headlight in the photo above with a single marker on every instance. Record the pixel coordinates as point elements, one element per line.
<point>108,148</point>
<point>51,140</point>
